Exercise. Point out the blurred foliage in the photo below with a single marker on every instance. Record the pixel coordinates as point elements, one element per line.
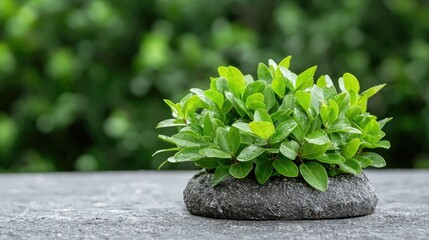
<point>82,82</point>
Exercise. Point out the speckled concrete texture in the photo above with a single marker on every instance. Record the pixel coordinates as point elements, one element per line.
<point>149,205</point>
<point>279,198</point>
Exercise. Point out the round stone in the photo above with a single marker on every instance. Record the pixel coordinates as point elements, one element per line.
<point>279,198</point>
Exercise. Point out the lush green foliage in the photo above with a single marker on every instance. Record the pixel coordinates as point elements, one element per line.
<point>81,81</point>
<point>279,124</point>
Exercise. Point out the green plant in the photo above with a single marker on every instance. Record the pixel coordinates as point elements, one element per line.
<point>55,56</point>
<point>281,124</point>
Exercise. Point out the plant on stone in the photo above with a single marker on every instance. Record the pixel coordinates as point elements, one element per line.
<point>281,124</point>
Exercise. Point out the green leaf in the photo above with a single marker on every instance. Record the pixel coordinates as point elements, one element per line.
<point>290,78</point>
<point>367,94</point>
<point>342,100</point>
<point>215,97</point>
<point>351,166</point>
<point>175,108</point>
<point>214,153</point>
<point>264,72</point>
<point>324,81</point>
<point>289,149</point>
<point>191,105</point>
<point>234,102</point>
<point>363,161</point>
<point>236,81</point>
<point>166,139</point>
<point>220,174</point>
<point>222,85</point>
<point>342,125</point>
<point>383,144</point>
<point>285,62</point>
<point>202,96</point>
<point>316,124</point>
<point>331,158</point>
<point>377,160</point>
<point>315,175</point>
<point>263,129</point>
<point>194,128</point>
<point>250,152</point>
<point>372,127</point>
<point>288,103</point>
<point>184,100</point>
<point>329,93</point>
<point>255,101</point>
<point>368,141</point>
<point>316,98</point>
<point>318,138</point>
<point>272,65</point>
<point>241,169</point>
<point>262,116</point>
<point>246,138</point>
<point>171,123</point>
<point>165,150</point>
<point>278,84</point>
<point>221,139</point>
<point>384,121</point>
<point>259,97</point>
<point>313,151</point>
<point>349,83</point>
<point>263,171</point>
<point>353,98</point>
<point>187,154</point>
<point>304,99</point>
<point>285,167</point>
<point>304,77</point>
<point>222,70</point>
<point>234,140</point>
<point>242,106</point>
<point>254,87</point>
<point>270,99</point>
<point>301,118</point>
<point>280,116</point>
<point>303,124</point>
<point>213,83</point>
<point>217,123</point>
<point>256,105</point>
<point>325,113</point>
<point>283,130</point>
<point>351,148</point>
<point>249,79</point>
<point>244,127</point>
<point>207,163</point>
<point>372,91</point>
<point>353,111</point>
<point>334,111</point>
<point>187,139</point>
<point>208,127</point>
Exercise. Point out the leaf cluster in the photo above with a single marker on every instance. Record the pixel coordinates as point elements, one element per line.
<point>280,124</point>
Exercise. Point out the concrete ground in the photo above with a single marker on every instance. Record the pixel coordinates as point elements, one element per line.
<point>149,205</point>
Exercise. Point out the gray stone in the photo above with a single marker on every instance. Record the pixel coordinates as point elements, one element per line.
<point>280,198</point>
<point>149,205</point>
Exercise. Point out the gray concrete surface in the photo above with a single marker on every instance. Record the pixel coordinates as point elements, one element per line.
<point>149,205</point>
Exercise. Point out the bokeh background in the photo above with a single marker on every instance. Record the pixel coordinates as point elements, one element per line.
<point>82,81</point>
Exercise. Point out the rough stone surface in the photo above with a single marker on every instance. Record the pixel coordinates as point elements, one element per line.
<point>149,205</point>
<point>280,198</point>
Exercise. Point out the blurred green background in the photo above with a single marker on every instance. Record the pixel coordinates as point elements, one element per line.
<point>82,81</point>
